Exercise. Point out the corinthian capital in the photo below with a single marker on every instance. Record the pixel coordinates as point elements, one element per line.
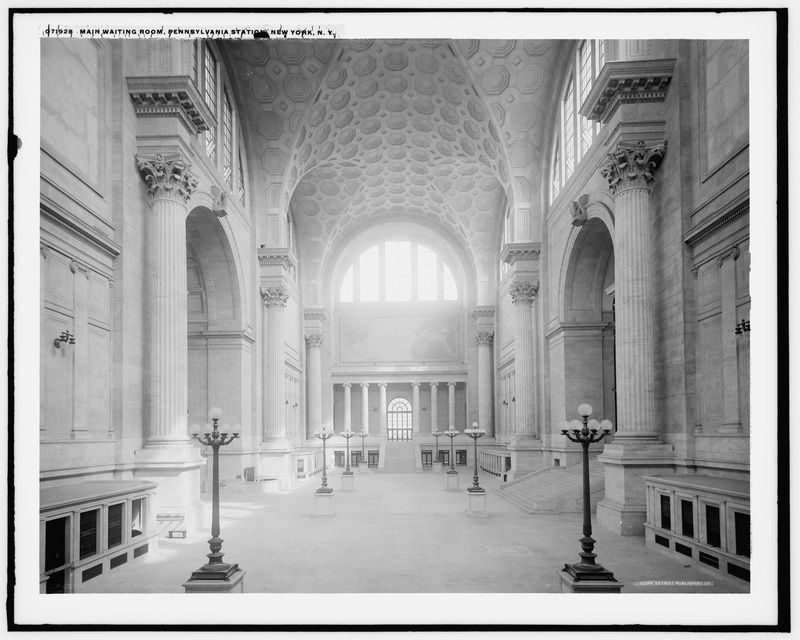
<point>314,340</point>
<point>274,296</point>
<point>484,337</point>
<point>523,291</point>
<point>166,176</point>
<point>632,165</point>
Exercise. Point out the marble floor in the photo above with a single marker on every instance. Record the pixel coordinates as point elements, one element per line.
<point>401,533</point>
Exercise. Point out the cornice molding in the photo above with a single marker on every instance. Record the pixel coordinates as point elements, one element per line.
<point>694,237</point>
<point>514,251</point>
<point>273,257</point>
<point>81,230</point>
<point>315,314</point>
<point>483,311</point>
<point>170,96</point>
<point>627,81</point>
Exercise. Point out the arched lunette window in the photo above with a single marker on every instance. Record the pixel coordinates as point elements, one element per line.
<point>398,271</point>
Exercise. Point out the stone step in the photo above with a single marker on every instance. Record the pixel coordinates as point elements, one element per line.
<point>554,489</point>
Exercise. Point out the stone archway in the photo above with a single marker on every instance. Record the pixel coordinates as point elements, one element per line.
<point>582,349</point>
<point>220,350</point>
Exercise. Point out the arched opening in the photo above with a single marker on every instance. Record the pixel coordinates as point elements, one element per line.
<point>220,350</point>
<point>399,419</point>
<point>584,345</point>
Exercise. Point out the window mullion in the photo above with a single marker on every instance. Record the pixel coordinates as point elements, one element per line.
<point>414,272</point>
<point>382,271</point>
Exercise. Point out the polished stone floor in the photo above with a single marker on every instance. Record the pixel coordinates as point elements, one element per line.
<point>401,533</point>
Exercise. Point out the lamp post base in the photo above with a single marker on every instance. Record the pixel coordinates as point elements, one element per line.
<point>451,481</point>
<point>348,481</point>
<point>234,583</point>
<point>323,504</point>
<point>586,585</point>
<point>476,502</point>
<point>581,572</point>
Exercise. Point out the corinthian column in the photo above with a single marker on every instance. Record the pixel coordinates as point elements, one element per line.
<point>169,186</point>
<point>274,299</point>
<point>523,294</point>
<point>434,407</point>
<point>630,170</point>
<point>314,381</point>
<point>484,342</point>
<point>415,407</point>
<point>365,406</point>
<point>383,427</point>
<point>348,416</point>
<point>451,404</point>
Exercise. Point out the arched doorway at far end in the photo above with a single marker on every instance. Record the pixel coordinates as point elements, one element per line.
<point>399,422</point>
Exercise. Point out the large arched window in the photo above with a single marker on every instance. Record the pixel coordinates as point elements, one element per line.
<point>398,271</point>
<point>575,133</point>
<point>398,418</point>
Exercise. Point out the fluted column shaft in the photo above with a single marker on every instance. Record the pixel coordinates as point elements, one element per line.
<point>484,341</point>
<point>80,378</point>
<point>169,185</point>
<point>383,426</point>
<point>348,409</point>
<point>451,404</point>
<point>274,299</point>
<point>434,407</point>
<point>629,171</point>
<point>523,294</point>
<point>314,378</point>
<point>365,406</point>
<point>415,407</point>
<point>731,419</point>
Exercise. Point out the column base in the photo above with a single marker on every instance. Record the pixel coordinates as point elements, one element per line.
<point>570,585</point>
<point>323,505</point>
<point>626,460</point>
<point>232,584</point>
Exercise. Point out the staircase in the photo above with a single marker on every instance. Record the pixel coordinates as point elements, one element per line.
<point>400,457</point>
<point>555,489</point>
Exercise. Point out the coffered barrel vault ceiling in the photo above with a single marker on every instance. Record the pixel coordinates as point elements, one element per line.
<point>450,131</point>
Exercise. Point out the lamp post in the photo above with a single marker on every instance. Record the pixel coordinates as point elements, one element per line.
<point>215,569</point>
<point>451,433</point>
<point>347,435</point>
<point>475,433</point>
<point>363,435</point>
<point>436,435</point>
<point>587,432</point>
<point>324,435</point>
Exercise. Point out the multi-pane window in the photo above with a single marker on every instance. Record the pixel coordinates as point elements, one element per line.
<point>137,517</point>
<point>227,139</point>
<point>369,270</point>
<point>210,97</point>
<point>585,76</point>
<point>575,133</point>
<point>241,180</point>
<point>398,271</point>
<point>426,273</point>
<point>449,284</point>
<point>346,292</point>
<point>567,114</point>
